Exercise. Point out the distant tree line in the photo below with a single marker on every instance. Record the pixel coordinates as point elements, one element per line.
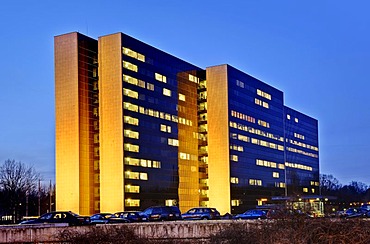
<point>353,192</point>
<point>22,192</point>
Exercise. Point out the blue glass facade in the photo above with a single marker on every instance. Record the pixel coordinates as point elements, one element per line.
<point>302,153</point>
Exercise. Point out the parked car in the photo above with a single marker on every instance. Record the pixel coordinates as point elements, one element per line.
<point>127,217</point>
<point>355,213</point>
<point>201,213</point>
<point>252,214</point>
<point>161,213</point>
<point>67,217</point>
<point>100,218</point>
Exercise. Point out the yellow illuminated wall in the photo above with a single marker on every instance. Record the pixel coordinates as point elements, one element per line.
<point>188,145</point>
<point>111,124</point>
<point>218,139</point>
<point>73,147</point>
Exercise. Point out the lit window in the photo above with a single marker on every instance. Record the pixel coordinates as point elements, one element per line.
<point>166,128</point>
<point>275,174</point>
<point>255,182</point>
<point>131,107</point>
<point>170,202</point>
<point>133,54</point>
<point>131,147</point>
<point>132,189</point>
<point>131,134</point>
<point>132,161</point>
<point>181,97</point>
<point>193,78</point>
<point>173,142</point>
<point>130,93</point>
<point>263,94</point>
<point>149,86</point>
<point>130,66</point>
<point>312,190</point>
<point>234,158</point>
<point>166,92</point>
<point>184,156</point>
<point>296,120</point>
<point>305,189</point>
<point>234,180</point>
<point>288,116</point>
<point>132,202</point>
<point>235,203</point>
<point>131,120</point>
<point>160,78</point>
<point>143,176</point>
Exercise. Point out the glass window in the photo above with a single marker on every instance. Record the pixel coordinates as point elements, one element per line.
<point>130,66</point>
<point>181,97</point>
<point>166,92</point>
<point>160,78</point>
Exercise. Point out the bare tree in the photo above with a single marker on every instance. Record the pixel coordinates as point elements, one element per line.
<point>17,182</point>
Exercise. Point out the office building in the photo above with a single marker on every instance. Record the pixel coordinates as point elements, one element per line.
<point>137,127</point>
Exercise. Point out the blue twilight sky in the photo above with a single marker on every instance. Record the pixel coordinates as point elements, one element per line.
<point>317,52</point>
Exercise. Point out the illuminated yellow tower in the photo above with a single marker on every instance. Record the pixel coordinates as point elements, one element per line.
<point>76,116</point>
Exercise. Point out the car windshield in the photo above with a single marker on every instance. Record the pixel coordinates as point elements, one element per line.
<point>74,214</point>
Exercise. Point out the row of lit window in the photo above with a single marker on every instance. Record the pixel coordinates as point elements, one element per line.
<point>267,144</point>
<point>255,131</point>
<point>194,79</point>
<point>142,162</point>
<point>128,52</point>
<point>129,66</point>
<point>315,183</point>
<point>131,147</point>
<point>263,94</point>
<point>132,202</point>
<point>136,175</point>
<point>131,120</point>
<point>137,82</point>
<point>295,119</point>
<point>173,142</point>
<point>132,189</point>
<point>255,182</point>
<point>301,144</point>
<point>280,184</point>
<point>134,94</point>
<point>130,93</point>
<point>157,114</point>
<point>243,116</point>
<point>236,148</point>
<point>187,156</point>
<point>160,77</point>
<point>313,155</point>
<point>261,103</point>
<point>165,128</point>
<point>299,136</point>
<point>305,189</point>
<point>131,134</point>
<point>264,123</point>
<point>269,164</point>
<point>298,166</point>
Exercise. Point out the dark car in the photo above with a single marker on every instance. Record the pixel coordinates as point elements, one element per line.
<point>201,213</point>
<point>127,217</point>
<point>67,217</point>
<point>355,213</point>
<point>252,214</point>
<point>162,213</point>
<point>100,218</point>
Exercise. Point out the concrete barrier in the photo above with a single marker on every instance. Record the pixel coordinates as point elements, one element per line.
<point>181,230</point>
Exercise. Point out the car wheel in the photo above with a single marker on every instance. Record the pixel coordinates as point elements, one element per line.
<point>204,218</point>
